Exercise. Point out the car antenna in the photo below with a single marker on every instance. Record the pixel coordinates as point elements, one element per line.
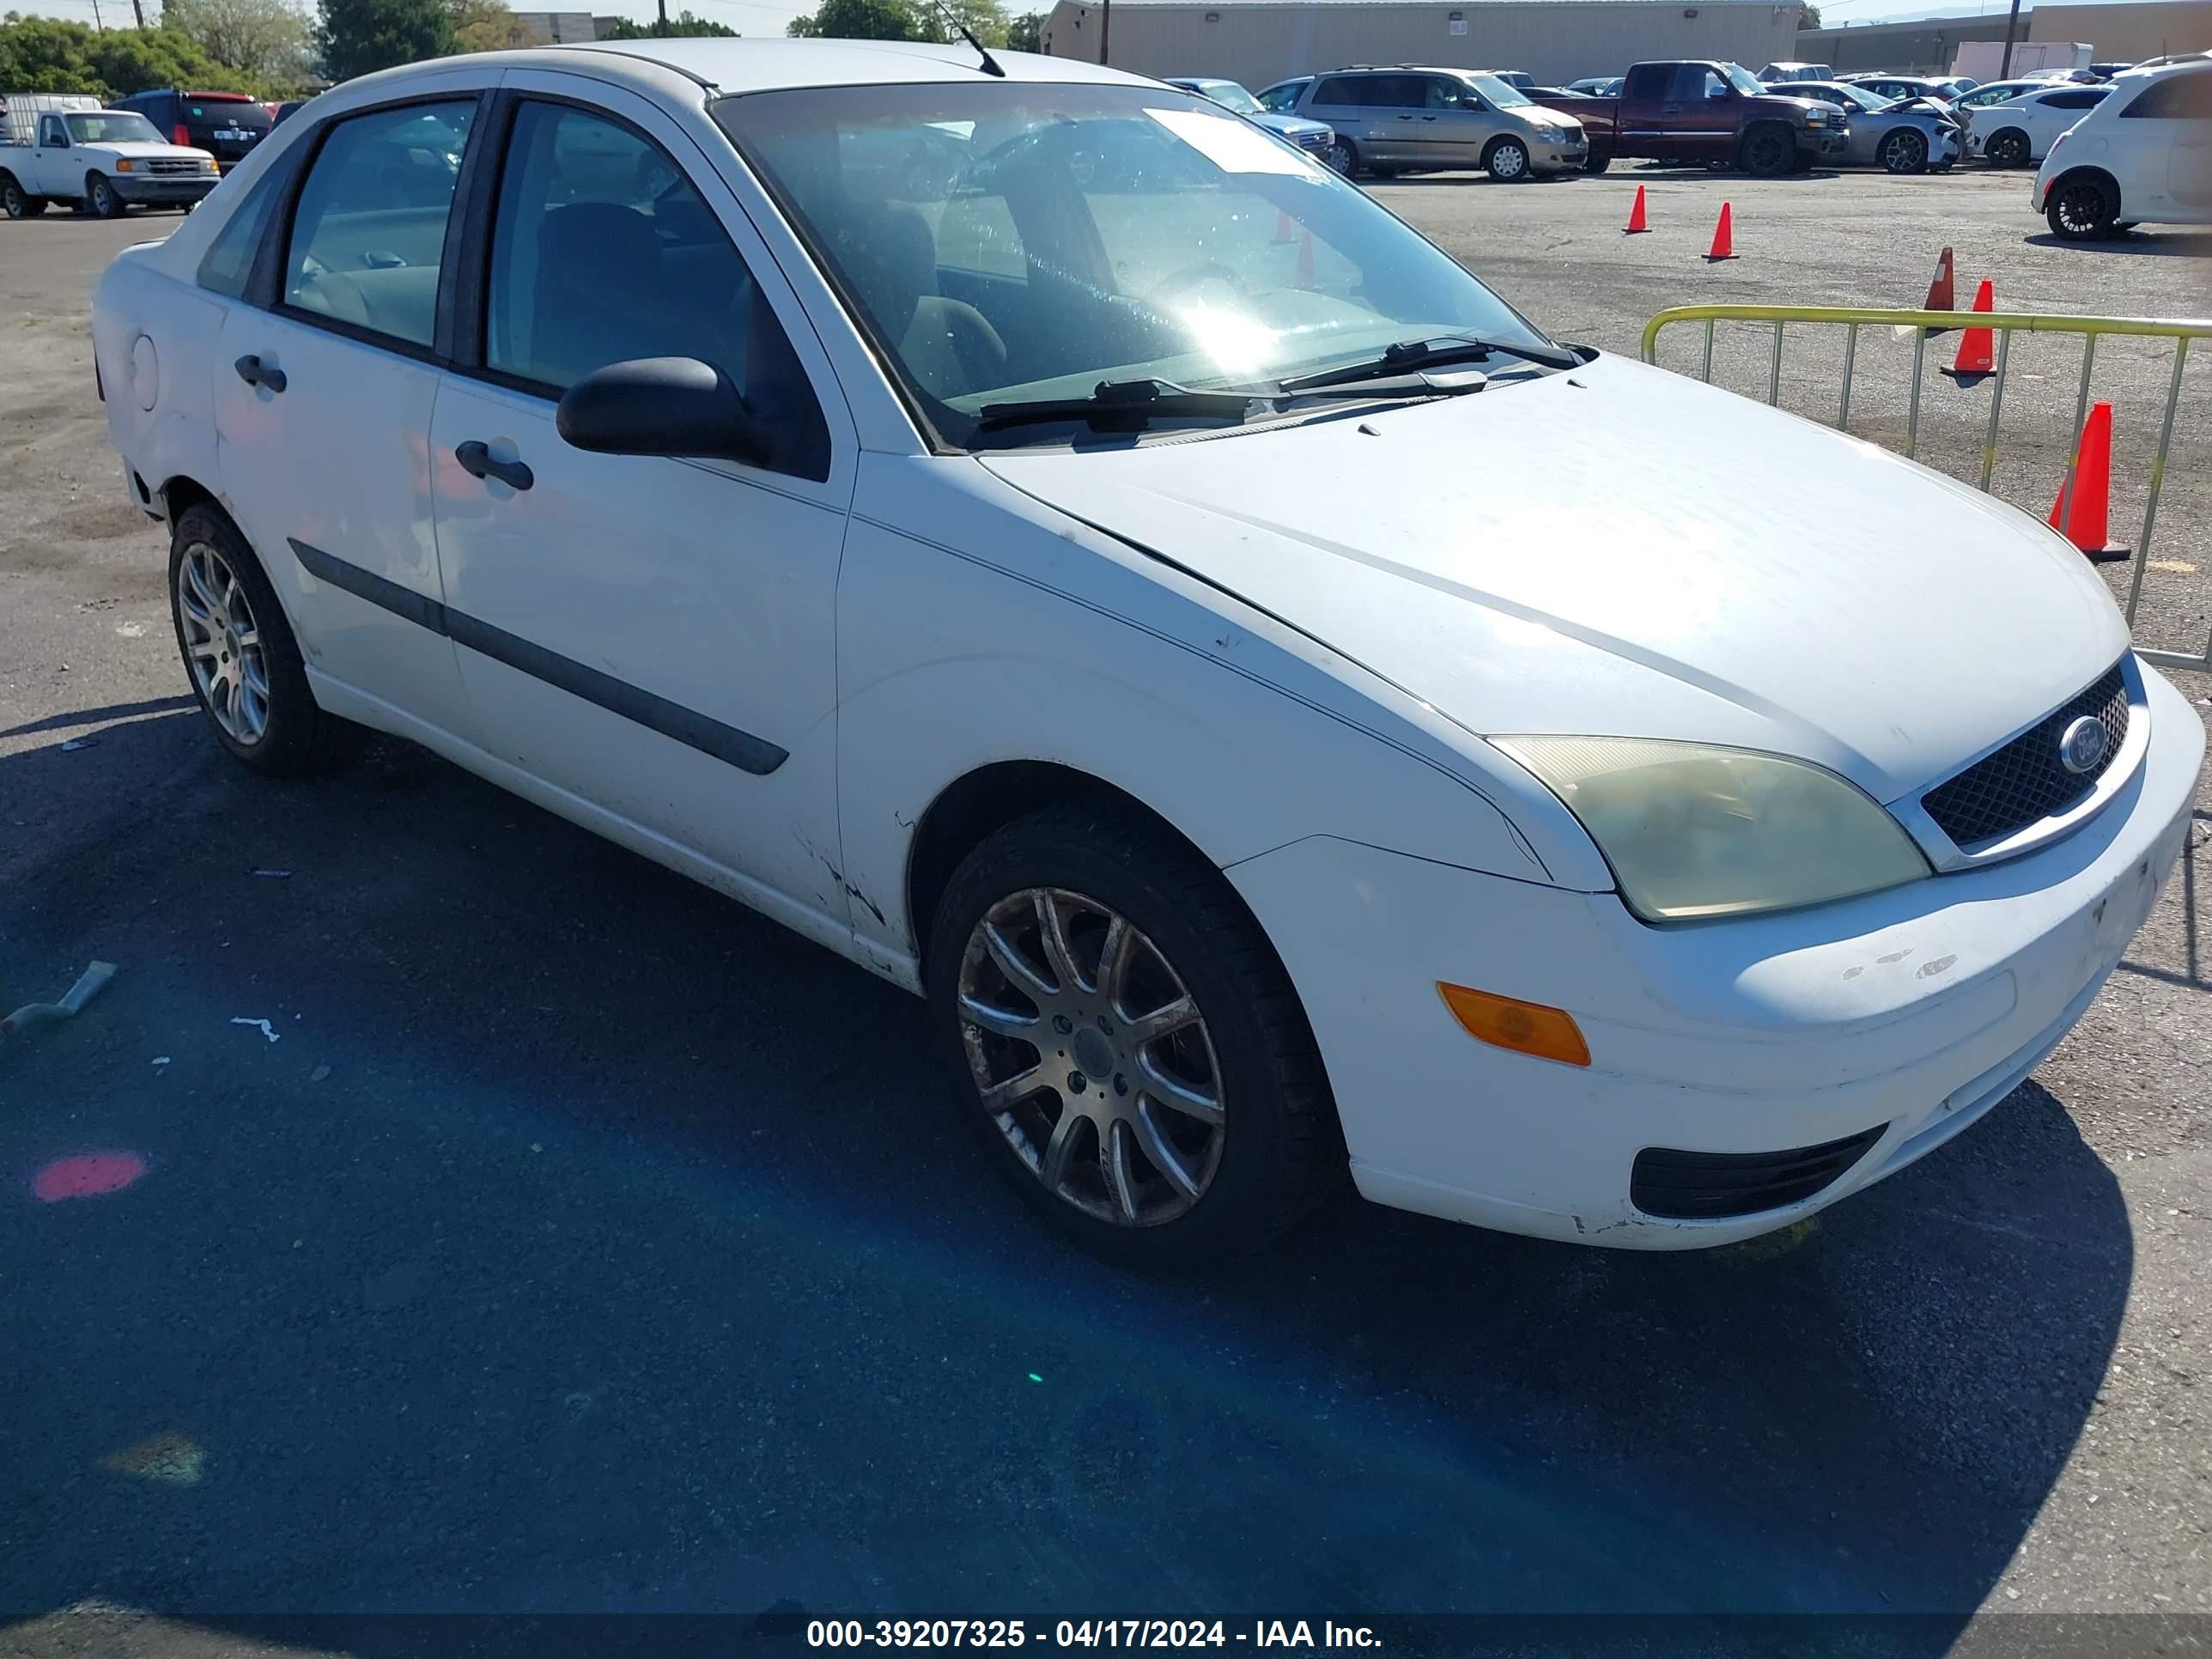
<point>991,65</point>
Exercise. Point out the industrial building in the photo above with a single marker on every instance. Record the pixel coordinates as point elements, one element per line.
<point>2121,33</point>
<point>1260,41</point>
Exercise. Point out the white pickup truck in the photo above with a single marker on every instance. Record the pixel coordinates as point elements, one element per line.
<point>101,161</point>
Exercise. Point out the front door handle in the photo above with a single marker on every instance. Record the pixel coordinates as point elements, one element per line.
<point>1428,117</point>
<point>254,371</point>
<point>477,461</point>
<point>1405,118</point>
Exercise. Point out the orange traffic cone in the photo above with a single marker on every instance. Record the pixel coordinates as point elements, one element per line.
<point>1724,236</point>
<point>1635,225</point>
<point>1939,290</point>
<point>1305,259</point>
<point>1977,347</point>
<point>1282,228</point>
<point>2087,516</point>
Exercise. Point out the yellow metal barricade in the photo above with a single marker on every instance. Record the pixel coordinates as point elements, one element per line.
<point>2005,325</point>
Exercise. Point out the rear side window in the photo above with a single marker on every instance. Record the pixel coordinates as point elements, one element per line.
<point>227,264</point>
<point>242,113</point>
<point>2085,99</point>
<point>369,234</point>
<point>602,252</point>
<point>1396,92</point>
<point>1648,81</point>
<point>1338,90</point>
<point>2179,98</point>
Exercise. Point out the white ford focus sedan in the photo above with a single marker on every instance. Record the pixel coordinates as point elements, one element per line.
<point>1031,532</point>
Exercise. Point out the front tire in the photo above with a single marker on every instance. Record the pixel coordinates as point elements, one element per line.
<point>100,197</point>
<point>2082,208</point>
<point>240,653</point>
<point>1126,1040</point>
<point>1767,152</point>
<point>1506,160</point>
<point>1905,150</point>
<point>1344,156</point>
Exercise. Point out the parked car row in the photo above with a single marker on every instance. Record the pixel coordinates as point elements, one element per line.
<point>168,147</point>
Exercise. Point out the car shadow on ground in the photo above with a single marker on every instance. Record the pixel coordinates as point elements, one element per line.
<point>2185,244</point>
<point>571,1238</point>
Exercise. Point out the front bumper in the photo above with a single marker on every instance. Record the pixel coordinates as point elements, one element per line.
<point>153,187</point>
<point>1909,1012</point>
<point>1567,155</point>
<point>1824,141</point>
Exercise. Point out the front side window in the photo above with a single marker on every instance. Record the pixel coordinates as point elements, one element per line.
<point>604,253</point>
<point>368,236</point>
<point>111,126</point>
<point>1097,233</point>
<point>1230,95</point>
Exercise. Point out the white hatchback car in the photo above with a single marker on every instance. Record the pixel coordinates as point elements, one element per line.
<point>2143,156</point>
<point>1285,712</point>
<point>2021,130</point>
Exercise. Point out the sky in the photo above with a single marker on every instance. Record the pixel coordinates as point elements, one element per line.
<point>769,16</point>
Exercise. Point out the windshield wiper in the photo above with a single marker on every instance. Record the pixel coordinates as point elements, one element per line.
<point>1407,355</point>
<point>1123,406</point>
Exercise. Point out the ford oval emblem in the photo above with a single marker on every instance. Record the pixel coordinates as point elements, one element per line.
<point>2082,744</point>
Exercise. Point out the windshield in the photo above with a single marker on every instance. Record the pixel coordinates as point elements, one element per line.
<point>1230,95</point>
<point>1865,100</point>
<point>1503,94</point>
<point>1745,82</point>
<point>113,126</point>
<point>1082,234</point>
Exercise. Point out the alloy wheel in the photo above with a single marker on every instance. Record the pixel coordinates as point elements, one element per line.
<point>223,644</point>
<point>1342,158</point>
<point>1091,1057</point>
<point>1905,151</point>
<point>2079,208</point>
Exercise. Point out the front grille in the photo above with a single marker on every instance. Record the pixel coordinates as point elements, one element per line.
<point>1712,1186</point>
<point>2025,780</point>
<point>173,165</point>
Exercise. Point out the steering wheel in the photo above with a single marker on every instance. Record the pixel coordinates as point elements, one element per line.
<point>1177,283</point>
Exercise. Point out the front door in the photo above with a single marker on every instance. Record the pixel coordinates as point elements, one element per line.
<point>2185,103</point>
<point>323,401</point>
<point>654,637</point>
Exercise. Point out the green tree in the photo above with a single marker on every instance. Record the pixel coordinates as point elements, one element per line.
<point>483,26</point>
<point>266,39</point>
<point>1808,17</point>
<point>684,23</point>
<point>1026,32</point>
<point>44,54</point>
<point>361,36</point>
<point>860,19</point>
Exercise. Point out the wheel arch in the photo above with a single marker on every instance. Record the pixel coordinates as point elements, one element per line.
<point>1490,148</point>
<point>2081,171</point>
<point>181,493</point>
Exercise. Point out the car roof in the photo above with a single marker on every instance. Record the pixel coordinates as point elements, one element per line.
<point>744,64</point>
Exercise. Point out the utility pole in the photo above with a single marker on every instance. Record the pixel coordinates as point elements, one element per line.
<point>138,11</point>
<point>664,16</point>
<point>1106,31</point>
<point>97,26</point>
<point>2012,29</point>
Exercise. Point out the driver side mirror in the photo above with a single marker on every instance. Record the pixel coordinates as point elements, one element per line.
<point>1717,94</point>
<point>1472,101</point>
<point>670,406</point>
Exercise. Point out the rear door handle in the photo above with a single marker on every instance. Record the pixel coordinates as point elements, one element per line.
<point>254,371</point>
<point>477,461</point>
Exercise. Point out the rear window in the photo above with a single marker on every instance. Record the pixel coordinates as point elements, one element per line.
<point>227,113</point>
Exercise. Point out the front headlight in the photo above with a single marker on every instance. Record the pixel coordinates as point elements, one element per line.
<point>1694,831</point>
<point>1816,119</point>
<point>124,164</point>
<point>208,164</point>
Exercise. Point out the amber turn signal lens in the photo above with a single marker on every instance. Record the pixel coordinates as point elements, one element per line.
<point>1527,1028</point>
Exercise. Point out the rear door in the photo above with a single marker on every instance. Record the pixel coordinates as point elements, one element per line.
<point>326,378</point>
<point>1404,124</point>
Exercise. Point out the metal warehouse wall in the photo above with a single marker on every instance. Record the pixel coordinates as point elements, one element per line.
<point>1926,46</point>
<point>2128,33</point>
<point>1555,40</point>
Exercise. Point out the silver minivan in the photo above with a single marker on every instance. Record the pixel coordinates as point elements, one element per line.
<point>1408,119</point>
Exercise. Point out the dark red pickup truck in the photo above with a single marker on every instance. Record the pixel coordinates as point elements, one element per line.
<point>1715,113</point>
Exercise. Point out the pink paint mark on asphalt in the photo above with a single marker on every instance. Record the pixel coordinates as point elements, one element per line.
<point>89,1174</point>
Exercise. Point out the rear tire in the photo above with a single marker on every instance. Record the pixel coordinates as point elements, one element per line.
<point>1767,151</point>
<point>1344,156</point>
<point>100,197</point>
<point>1506,160</point>
<point>1271,1149</point>
<point>293,735</point>
<point>2083,207</point>
<point>19,202</point>
<point>2009,148</point>
<point>1596,163</point>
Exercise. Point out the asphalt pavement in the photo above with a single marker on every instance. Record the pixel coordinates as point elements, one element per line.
<point>497,1223</point>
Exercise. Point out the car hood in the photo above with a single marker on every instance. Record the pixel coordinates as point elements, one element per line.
<point>1290,125</point>
<point>138,150</point>
<point>1620,550</point>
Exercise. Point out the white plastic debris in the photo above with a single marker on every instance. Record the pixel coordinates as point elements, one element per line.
<point>260,1025</point>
